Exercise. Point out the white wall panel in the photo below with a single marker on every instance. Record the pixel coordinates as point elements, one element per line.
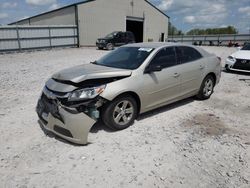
<point>8,45</point>
<point>8,33</point>
<point>32,37</point>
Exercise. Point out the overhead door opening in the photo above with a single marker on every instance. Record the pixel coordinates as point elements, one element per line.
<point>135,27</point>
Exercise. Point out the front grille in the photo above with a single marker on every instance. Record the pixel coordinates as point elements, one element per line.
<point>49,106</point>
<point>242,64</point>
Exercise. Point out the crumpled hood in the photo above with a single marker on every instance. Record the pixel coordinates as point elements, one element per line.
<point>242,54</point>
<point>81,73</point>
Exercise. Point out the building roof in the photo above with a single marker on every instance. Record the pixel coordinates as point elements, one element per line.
<point>157,8</point>
<point>75,4</point>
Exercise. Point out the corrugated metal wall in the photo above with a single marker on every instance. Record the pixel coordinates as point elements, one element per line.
<point>211,39</point>
<point>14,38</point>
<point>99,18</point>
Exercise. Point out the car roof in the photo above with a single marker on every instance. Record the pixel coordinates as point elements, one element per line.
<point>155,44</point>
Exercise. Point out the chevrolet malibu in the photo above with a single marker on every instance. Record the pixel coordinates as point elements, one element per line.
<point>126,82</point>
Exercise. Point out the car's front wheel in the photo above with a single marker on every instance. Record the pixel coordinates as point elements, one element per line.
<point>110,46</point>
<point>227,68</point>
<point>120,113</point>
<point>207,88</point>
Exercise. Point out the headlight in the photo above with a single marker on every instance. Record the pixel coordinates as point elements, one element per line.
<point>87,93</point>
<point>231,58</point>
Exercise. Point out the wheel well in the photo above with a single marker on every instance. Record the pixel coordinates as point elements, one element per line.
<point>135,96</point>
<point>213,75</point>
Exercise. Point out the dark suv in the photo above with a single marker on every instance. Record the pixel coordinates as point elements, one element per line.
<point>116,38</point>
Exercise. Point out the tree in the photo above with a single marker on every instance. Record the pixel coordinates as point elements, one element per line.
<point>172,30</point>
<point>213,31</point>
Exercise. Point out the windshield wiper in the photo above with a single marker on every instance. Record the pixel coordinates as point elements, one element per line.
<point>93,62</point>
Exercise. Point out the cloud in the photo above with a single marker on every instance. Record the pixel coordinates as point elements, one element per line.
<point>245,10</point>
<point>54,6</point>
<point>165,5</point>
<point>3,15</point>
<point>189,19</point>
<point>197,12</point>
<point>24,17</point>
<point>40,2</point>
<point>9,5</point>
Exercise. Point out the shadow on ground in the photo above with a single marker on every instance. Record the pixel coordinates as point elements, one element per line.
<point>100,125</point>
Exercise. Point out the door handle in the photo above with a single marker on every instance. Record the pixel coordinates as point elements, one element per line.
<point>202,67</point>
<point>176,75</point>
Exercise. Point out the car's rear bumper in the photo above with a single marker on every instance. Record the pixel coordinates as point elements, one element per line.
<point>73,127</point>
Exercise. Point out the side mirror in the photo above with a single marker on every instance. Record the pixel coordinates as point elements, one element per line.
<point>153,68</point>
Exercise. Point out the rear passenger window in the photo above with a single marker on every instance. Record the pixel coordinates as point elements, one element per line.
<point>187,54</point>
<point>165,58</point>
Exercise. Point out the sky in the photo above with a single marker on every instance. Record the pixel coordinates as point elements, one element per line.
<point>184,14</point>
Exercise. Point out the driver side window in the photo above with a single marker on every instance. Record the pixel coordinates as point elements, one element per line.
<point>165,58</point>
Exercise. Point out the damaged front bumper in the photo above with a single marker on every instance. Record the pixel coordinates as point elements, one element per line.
<point>65,122</point>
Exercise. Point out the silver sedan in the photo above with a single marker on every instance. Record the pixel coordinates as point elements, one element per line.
<point>130,80</point>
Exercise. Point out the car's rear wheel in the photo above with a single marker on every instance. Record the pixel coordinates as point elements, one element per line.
<point>207,88</point>
<point>110,46</point>
<point>120,113</point>
<point>100,48</point>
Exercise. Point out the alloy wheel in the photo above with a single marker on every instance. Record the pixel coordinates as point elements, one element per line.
<point>123,112</point>
<point>208,87</point>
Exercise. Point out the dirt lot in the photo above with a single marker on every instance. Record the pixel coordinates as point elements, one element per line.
<point>187,144</point>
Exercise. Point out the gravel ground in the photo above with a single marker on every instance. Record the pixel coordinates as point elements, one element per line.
<point>190,143</point>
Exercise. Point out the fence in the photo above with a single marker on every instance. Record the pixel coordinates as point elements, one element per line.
<point>211,39</point>
<point>17,38</point>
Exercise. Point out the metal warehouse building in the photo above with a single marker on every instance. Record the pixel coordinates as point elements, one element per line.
<point>96,18</point>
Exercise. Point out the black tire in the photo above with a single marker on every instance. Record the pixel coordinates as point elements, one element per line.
<point>109,46</point>
<point>207,88</point>
<point>227,68</point>
<point>109,112</point>
<point>100,48</point>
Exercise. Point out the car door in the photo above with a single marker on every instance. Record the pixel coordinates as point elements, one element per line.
<point>161,86</point>
<point>120,39</point>
<point>192,70</point>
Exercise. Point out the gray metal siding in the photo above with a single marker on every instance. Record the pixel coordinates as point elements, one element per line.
<point>34,37</point>
<point>98,18</point>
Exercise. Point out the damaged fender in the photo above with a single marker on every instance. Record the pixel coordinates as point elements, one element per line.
<point>73,119</point>
<point>75,127</point>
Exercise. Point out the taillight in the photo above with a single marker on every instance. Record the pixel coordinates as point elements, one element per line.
<point>219,58</point>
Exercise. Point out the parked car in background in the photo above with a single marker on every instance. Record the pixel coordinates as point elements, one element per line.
<point>117,38</point>
<point>130,80</point>
<point>240,60</point>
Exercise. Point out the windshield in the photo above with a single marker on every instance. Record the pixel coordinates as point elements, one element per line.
<point>125,57</point>
<point>111,35</point>
<point>246,47</point>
